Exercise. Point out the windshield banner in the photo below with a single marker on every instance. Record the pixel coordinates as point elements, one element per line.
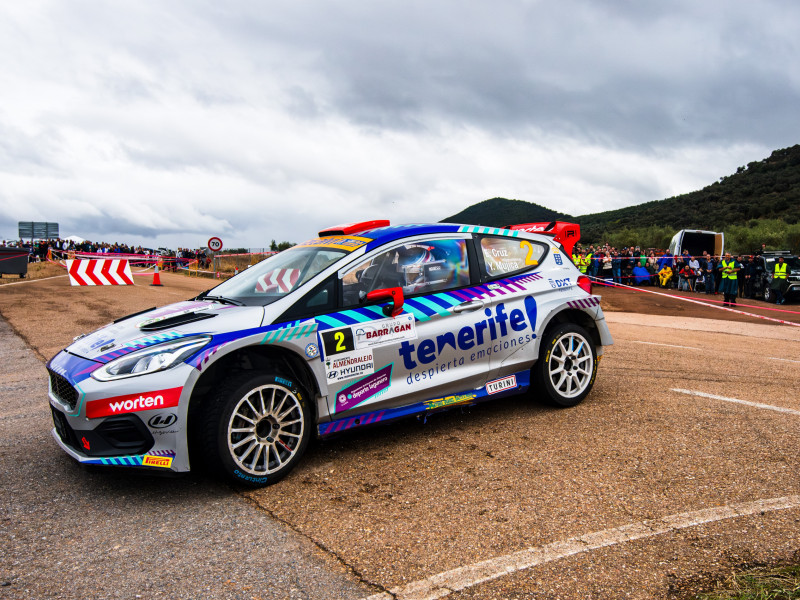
<point>339,242</point>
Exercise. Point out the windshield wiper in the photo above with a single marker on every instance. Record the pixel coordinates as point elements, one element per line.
<point>223,300</point>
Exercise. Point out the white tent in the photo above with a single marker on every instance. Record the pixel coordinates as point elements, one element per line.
<point>75,238</point>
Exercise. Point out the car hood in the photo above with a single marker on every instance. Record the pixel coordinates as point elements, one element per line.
<point>172,322</point>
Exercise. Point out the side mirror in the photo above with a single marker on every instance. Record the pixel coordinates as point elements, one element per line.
<point>393,295</point>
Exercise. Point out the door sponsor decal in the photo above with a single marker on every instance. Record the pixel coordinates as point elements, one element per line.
<point>349,365</point>
<point>501,385</point>
<point>368,335</point>
<point>364,389</point>
<point>500,331</point>
<point>119,405</point>
<point>385,331</point>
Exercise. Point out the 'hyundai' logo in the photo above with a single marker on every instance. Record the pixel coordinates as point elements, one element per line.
<point>163,420</point>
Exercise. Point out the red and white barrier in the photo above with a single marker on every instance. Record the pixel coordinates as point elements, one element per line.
<point>281,280</point>
<point>99,272</point>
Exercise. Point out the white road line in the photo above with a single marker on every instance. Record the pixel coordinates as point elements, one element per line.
<point>455,580</point>
<point>32,280</point>
<point>667,345</point>
<point>737,401</point>
<point>783,359</point>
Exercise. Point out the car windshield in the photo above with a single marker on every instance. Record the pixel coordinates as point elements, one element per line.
<point>273,278</point>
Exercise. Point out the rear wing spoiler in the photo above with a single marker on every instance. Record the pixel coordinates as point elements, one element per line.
<point>566,234</point>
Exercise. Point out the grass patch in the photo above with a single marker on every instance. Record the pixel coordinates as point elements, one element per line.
<point>780,583</point>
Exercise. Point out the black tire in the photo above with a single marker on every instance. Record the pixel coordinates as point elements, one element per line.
<point>255,428</point>
<point>769,294</point>
<point>567,365</point>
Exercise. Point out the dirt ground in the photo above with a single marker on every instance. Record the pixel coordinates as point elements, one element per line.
<point>93,307</point>
<point>660,440</point>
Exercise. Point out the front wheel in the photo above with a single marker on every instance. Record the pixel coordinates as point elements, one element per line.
<point>567,365</point>
<point>256,428</point>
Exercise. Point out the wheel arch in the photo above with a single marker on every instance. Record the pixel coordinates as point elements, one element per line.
<point>576,316</point>
<point>255,358</point>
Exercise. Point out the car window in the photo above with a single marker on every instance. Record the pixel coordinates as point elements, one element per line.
<point>417,267</point>
<point>502,255</point>
<point>320,300</point>
<point>278,275</point>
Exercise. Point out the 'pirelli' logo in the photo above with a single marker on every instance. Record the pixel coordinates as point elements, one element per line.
<point>157,461</point>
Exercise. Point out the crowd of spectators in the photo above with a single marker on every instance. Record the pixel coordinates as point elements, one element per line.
<point>185,256</point>
<point>38,251</point>
<point>635,266</point>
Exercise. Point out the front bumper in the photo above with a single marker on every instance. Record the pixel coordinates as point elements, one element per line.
<point>139,433</point>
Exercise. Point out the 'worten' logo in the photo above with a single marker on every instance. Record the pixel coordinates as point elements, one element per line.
<point>126,404</point>
<point>162,421</point>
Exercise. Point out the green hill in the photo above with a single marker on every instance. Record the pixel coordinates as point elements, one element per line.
<point>762,197</point>
<point>768,189</point>
<point>498,212</point>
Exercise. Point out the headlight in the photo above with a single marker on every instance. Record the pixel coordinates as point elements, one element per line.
<point>152,359</point>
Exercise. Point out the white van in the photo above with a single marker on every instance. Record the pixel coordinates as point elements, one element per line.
<point>697,240</point>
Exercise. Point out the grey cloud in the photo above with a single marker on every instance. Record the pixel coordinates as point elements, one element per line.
<point>302,100</point>
<point>615,70</point>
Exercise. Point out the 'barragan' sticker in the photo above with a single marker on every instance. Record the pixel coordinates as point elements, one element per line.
<point>385,331</point>
<point>348,243</point>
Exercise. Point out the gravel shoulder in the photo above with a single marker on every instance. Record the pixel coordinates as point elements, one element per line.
<point>68,531</point>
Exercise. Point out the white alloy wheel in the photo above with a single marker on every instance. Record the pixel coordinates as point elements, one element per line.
<point>571,365</point>
<point>567,365</point>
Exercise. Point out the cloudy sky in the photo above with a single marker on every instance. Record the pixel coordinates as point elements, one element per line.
<point>167,122</point>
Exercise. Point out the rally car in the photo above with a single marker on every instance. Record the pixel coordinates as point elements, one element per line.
<point>364,324</point>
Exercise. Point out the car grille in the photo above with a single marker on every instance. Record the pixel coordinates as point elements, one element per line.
<point>124,434</point>
<point>63,390</point>
<point>65,432</point>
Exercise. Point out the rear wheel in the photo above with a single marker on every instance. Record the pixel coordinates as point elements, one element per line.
<point>567,365</point>
<point>256,428</point>
<point>769,294</point>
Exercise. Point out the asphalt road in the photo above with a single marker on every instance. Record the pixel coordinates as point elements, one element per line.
<point>681,465</point>
<point>72,532</point>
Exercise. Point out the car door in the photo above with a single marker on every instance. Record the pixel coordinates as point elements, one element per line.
<point>428,352</point>
<point>513,289</point>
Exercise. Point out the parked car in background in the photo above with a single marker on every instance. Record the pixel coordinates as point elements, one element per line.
<point>765,265</point>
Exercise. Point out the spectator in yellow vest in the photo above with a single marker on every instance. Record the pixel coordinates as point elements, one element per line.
<point>729,286</point>
<point>779,281</point>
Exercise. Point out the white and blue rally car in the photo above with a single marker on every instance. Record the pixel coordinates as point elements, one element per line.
<point>362,325</point>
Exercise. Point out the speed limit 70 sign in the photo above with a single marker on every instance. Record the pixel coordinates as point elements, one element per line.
<point>215,244</point>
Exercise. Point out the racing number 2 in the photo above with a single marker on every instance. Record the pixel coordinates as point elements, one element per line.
<point>529,260</point>
<point>339,337</point>
<point>337,341</point>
